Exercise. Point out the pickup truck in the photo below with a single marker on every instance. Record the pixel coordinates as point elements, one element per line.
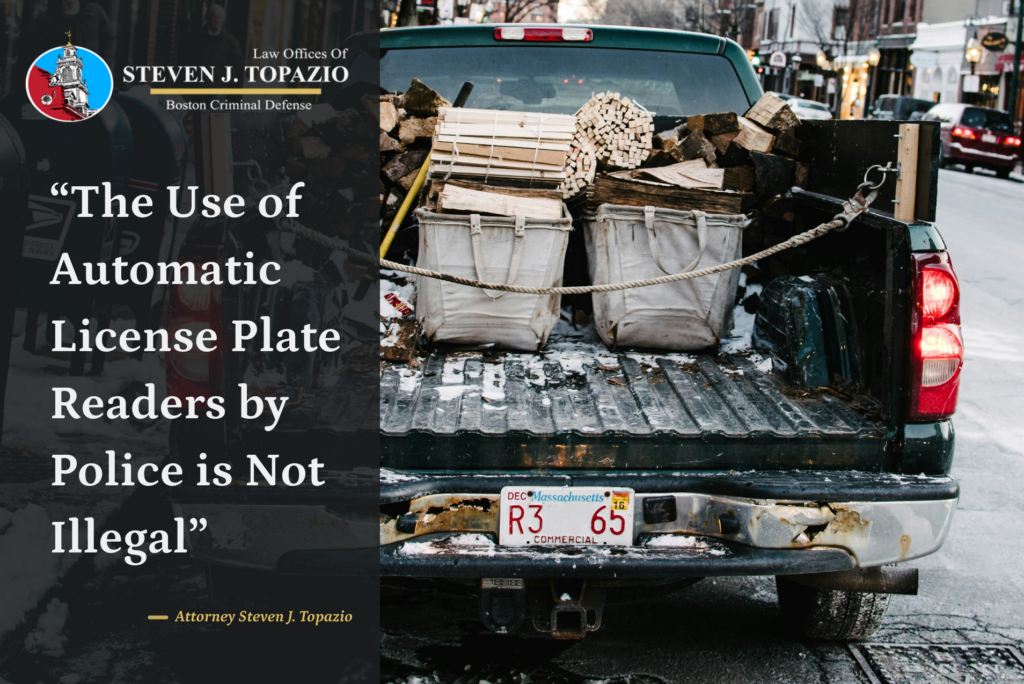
<point>733,468</point>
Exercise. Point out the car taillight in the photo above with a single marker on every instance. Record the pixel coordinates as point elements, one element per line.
<point>965,133</point>
<point>194,307</point>
<point>1011,141</point>
<point>936,342</point>
<point>544,35</point>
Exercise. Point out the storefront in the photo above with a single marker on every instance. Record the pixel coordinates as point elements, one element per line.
<point>854,74</point>
<point>938,54</point>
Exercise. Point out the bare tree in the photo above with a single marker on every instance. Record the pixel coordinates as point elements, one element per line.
<point>816,17</point>
<point>518,10</point>
<point>681,15</point>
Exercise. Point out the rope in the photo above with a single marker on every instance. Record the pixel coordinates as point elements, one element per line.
<point>852,209</point>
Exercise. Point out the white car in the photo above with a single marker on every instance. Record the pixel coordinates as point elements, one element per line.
<point>809,109</point>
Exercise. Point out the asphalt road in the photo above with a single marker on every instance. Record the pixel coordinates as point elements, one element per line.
<point>972,591</point>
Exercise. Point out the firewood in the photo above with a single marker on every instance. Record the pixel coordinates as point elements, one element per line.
<point>695,146</point>
<point>455,198</point>
<point>406,181</point>
<point>295,169</point>
<point>752,137</point>
<point>713,124</point>
<point>739,178</point>
<point>734,156</point>
<point>773,113</point>
<point>389,144</point>
<point>786,143</point>
<point>801,174</point>
<point>314,148</point>
<point>774,174</point>
<point>691,174</point>
<point>659,159</point>
<point>413,128</point>
<point>722,140</point>
<point>305,119</point>
<point>388,116</point>
<point>437,186</point>
<point>608,190</point>
<point>325,168</point>
<point>403,163</point>
<point>421,101</point>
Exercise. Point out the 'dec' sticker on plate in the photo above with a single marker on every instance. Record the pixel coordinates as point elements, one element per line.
<point>620,501</point>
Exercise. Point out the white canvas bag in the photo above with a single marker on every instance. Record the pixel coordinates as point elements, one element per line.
<point>639,243</point>
<point>494,249</point>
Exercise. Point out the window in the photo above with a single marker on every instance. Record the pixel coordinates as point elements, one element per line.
<point>536,78</point>
<point>840,17</point>
<point>987,118</point>
<point>772,25</point>
<point>951,75</point>
<point>926,77</point>
<point>901,9</point>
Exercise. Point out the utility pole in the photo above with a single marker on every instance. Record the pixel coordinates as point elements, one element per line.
<point>1015,79</point>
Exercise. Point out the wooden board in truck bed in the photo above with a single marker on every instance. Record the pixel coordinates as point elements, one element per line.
<point>598,409</point>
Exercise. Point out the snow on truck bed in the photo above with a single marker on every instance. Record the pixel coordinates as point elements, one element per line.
<point>576,385</point>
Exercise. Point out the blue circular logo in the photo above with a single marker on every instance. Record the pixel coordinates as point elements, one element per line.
<point>69,83</point>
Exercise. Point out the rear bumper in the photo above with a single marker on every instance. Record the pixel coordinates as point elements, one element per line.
<point>725,524</point>
<point>957,150</point>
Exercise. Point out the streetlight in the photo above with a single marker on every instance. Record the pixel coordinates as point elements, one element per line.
<point>973,53</point>
<point>874,56</point>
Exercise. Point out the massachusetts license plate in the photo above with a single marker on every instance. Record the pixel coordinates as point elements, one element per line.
<point>989,138</point>
<point>566,516</point>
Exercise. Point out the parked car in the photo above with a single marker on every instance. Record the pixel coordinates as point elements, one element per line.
<point>809,109</point>
<point>977,137</point>
<point>725,467</point>
<point>899,108</point>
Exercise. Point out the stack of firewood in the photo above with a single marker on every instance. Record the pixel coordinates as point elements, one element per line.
<point>329,152</point>
<point>407,124</point>
<point>718,162</point>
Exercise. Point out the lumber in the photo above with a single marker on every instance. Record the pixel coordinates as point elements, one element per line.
<point>493,162</point>
<point>504,152</point>
<point>456,198</point>
<point>523,144</point>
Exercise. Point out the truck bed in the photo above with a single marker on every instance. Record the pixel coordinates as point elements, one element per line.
<point>590,408</point>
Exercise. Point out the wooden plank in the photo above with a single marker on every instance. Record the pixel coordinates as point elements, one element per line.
<point>454,198</point>
<point>493,162</point>
<point>477,172</point>
<point>543,133</point>
<point>607,190</point>
<point>438,185</point>
<point>906,184</point>
<point>501,152</point>
<point>526,144</point>
<point>469,115</point>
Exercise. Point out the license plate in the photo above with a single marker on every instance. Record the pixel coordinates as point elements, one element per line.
<point>566,516</point>
<point>989,138</point>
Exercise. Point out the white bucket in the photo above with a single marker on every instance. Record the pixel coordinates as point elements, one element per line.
<point>494,249</point>
<point>639,243</point>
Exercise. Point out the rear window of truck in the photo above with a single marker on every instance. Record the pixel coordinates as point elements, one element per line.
<point>560,80</point>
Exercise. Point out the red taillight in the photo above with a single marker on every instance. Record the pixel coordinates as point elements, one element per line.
<point>1011,141</point>
<point>937,345</point>
<point>938,293</point>
<point>965,133</point>
<point>194,307</point>
<point>544,35</point>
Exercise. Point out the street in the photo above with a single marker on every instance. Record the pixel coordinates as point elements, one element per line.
<point>724,630</point>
